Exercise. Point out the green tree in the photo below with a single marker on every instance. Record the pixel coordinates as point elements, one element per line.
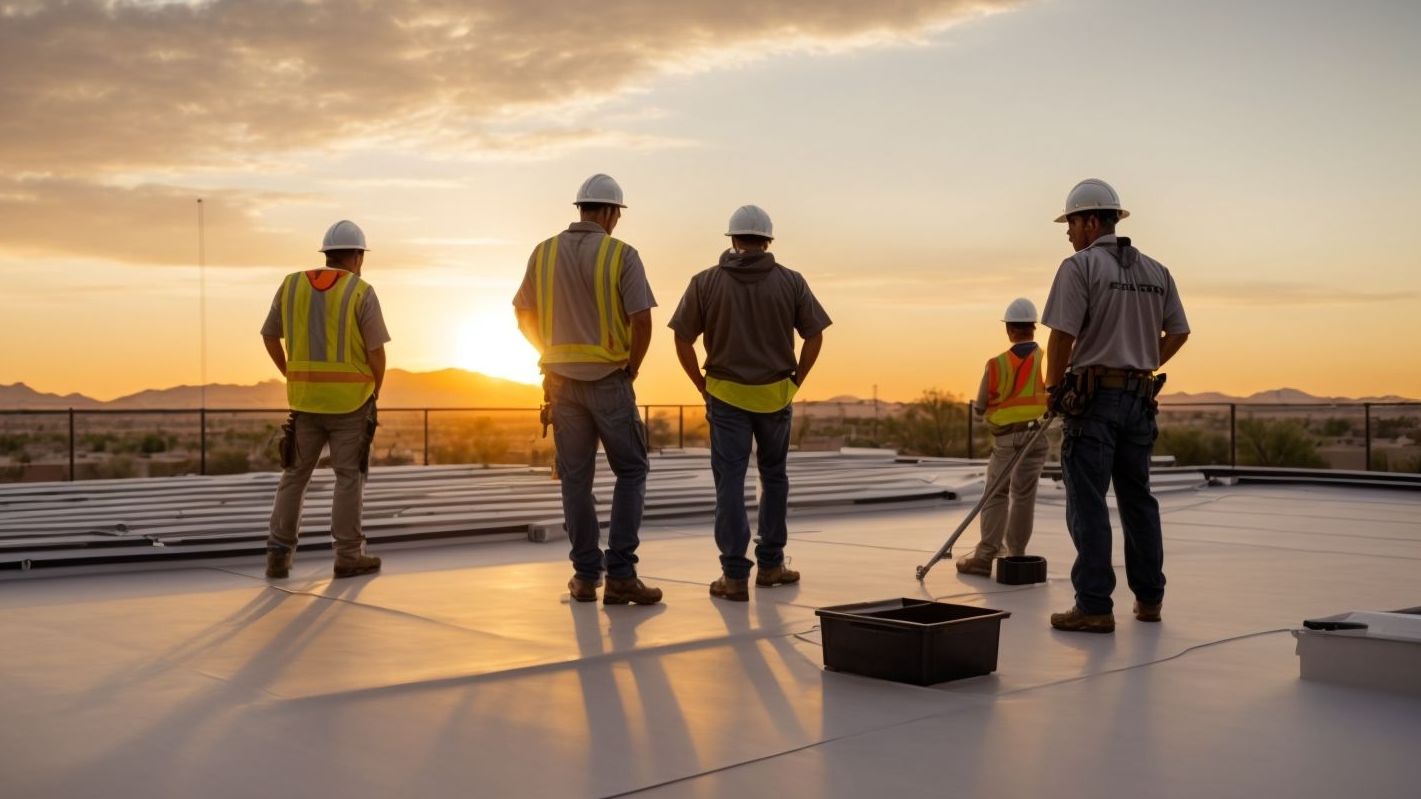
<point>934,425</point>
<point>1191,446</point>
<point>1277,442</point>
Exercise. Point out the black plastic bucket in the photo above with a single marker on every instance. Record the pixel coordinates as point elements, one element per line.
<point>1021,570</point>
<point>911,640</point>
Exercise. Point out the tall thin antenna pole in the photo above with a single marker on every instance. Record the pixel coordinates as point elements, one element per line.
<point>202,298</point>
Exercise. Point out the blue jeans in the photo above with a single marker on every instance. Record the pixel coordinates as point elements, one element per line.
<point>584,413</point>
<point>1112,440</point>
<point>731,432</point>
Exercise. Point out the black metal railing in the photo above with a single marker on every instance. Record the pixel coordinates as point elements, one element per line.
<point>78,443</point>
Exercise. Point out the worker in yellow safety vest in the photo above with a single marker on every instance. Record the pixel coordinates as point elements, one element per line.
<point>585,304</point>
<point>333,359</point>
<point>1012,396</point>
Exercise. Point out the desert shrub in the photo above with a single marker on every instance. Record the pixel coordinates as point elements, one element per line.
<point>1193,447</point>
<point>1277,442</point>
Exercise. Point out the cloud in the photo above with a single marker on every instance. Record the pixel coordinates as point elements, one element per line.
<point>117,85</point>
<point>151,224</point>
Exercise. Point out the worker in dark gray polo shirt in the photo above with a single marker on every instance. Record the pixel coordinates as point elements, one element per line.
<point>749,307</point>
<point>1115,317</point>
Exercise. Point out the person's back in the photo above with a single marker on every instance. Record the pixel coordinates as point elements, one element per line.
<point>1115,317</point>
<point>749,308</point>
<point>1012,395</point>
<point>326,335</point>
<point>586,306</point>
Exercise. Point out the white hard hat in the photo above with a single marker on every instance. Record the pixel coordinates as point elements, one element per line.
<point>1092,194</point>
<point>751,220</point>
<point>600,188</point>
<point>1021,311</point>
<point>344,235</point>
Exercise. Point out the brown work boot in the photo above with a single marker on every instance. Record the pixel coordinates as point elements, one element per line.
<point>775,575</point>
<point>974,565</point>
<point>361,564</point>
<point>1077,621</point>
<point>731,588</point>
<point>1147,611</point>
<point>583,590</point>
<point>620,591</point>
<point>278,565</point>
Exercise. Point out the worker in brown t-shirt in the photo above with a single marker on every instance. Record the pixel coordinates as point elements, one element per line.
<point>749,308</point>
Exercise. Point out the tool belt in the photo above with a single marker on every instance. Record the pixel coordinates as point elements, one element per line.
<point>1078,387</point>
<point>1131,380</point>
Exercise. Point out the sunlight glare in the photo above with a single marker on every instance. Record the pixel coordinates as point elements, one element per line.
<point>491,344</point>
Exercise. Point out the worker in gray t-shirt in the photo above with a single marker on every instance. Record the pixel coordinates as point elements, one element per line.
<point>585,304</point>
<point>1115,317</point>
<point>749,308</point>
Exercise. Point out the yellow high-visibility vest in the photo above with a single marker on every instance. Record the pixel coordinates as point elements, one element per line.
<point>1016,391</point>
<point>613,343</point>
<point>327,368</point>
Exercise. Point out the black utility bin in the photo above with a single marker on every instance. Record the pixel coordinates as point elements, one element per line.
<point>911,640</point>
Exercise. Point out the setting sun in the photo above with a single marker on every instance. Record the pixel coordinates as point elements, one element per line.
<point>493,346</point>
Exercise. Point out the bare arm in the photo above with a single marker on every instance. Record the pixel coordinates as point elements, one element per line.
<point>528,325</point>
<point>377,366</point>
<point>808,354</point>
<point>277,352</point>
<point>686,354</point>
<point>1169,344</point>
<point>1058,356</point>
<point>641,339</point>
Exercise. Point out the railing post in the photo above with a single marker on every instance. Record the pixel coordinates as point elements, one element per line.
<point>426,436</point>
<point>969,430</point>
<point>71,445</point>
<point>1233,434</point>
<point>202,440</point>
<point>1367,434</point>
<point>681,426</point>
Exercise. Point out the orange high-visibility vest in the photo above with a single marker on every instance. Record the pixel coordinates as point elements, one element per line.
<point>614,339</point>
<point>1016,391</point>
<point>327,368</point>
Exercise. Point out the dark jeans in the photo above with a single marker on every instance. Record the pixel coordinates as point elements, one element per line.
<point>731,432</point>
<point>584,413</point>
<point>1112,441</point>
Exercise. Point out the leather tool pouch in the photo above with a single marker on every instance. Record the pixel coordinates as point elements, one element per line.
<point>1075,393</point>
<point>372,421</point>
<point>288,442</point>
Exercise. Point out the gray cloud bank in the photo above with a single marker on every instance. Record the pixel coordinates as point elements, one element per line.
<point>100,85</point>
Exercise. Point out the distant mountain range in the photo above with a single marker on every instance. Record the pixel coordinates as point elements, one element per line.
<point>445,388</point>
<point>457,388</point>
<point>1277,396</point>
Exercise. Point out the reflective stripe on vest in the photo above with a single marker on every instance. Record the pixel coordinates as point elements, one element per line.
<point>1016,391</point>
<point>327,368</point>
<point>613,343</point>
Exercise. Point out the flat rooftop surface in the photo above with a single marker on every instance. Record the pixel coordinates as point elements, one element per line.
<point>464,670</point>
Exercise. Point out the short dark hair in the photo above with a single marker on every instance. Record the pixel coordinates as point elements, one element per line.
<point>337,257</point>
<point>752,240</point>
<point>593,208</point>
<point>1107,217</point>
<point>1021,327</point>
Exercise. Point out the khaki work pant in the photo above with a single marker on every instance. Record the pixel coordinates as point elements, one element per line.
<point>349,437</point>
<point>1010,511</point>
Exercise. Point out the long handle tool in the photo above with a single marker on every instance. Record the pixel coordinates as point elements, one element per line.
<point>1003,476</point>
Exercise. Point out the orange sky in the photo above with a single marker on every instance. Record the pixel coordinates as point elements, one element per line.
<point>912,155</point>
